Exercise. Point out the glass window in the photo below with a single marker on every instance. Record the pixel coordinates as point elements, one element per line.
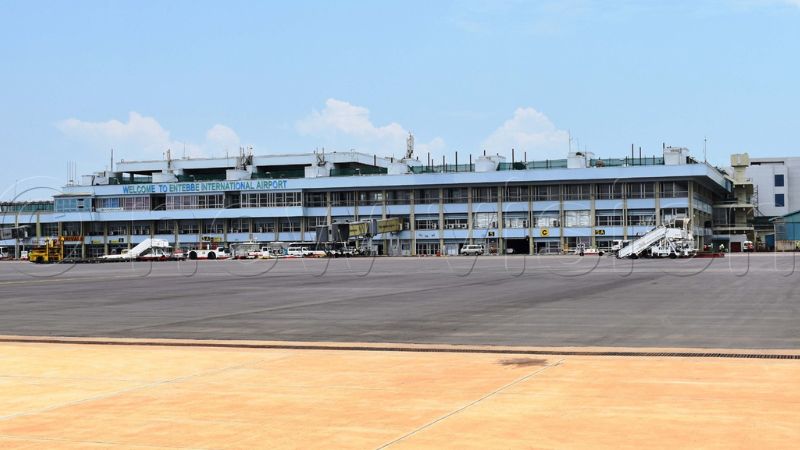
<point>71,229</point>
<point>202,201</point>
<point>674,189</point>
<point>398,197</point>
<point>117,229</point>
<point>577,191</point>
<point>270,199</point>
<point>49,229</point>
<point>71,204</point>
<point>545,193</point>
<point>456,195</point>
<point>668,215</point>
<point>188,227</point>
<point>94,228</point>
<point>515,220</point>
<point>640,190</point>
<point>546,219</point>
<point>484,195</point>
<point>485,220</point>
<point>454,222</point>
<point>347,198</point>
<point>779,180</point>
<point>608,217</point>
<point>370,198</point>
<point>779,201</point>
<point>290,225</point>
<point>140,228</point>
<point>427,248</point>
<point>609,191</point>
<point>213,226</point>
<point>581,218</point>
<point>427,223</point>
<point>641,218</point>
<point>516,194</point>
<point>426,196</point>
<point>264,225</point>
<point>314,199</point>
<point>239,226</point>
<point>165,227</point>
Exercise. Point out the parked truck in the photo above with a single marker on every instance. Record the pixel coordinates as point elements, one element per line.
<point>51,252</point>
<point>210,253</point>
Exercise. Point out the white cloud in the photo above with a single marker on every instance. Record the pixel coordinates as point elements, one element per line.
<point>222,137</point>
<point>143,137</point>
<point>528,131</point>
<point>349,126</point>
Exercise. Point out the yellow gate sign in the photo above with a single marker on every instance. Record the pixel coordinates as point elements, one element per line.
<point>545,232</point>
<point>390,225</point>
<point>359,229</point>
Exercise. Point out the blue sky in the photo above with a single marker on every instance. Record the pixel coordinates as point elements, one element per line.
<point>82,77</point>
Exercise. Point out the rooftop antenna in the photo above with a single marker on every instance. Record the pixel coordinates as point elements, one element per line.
<point>569,141</point>
<point>705,141</point>
<point>410,146</point>
<point>112,159</point>
<point>184,150</point>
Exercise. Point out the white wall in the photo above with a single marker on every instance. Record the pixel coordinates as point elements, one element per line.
<point>762,172</point>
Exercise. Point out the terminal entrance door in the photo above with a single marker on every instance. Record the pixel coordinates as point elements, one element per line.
<point>427,248</point>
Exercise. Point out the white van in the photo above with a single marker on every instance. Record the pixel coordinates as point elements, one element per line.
<point>297,251</point>
<point>472,250</point>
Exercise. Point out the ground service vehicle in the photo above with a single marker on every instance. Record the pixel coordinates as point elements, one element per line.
<point>210,253</point>
<point>51,252</point>
<point>582,250</point>
<point>618,244</point>
<point>472,250</point>
<point>148,249</point>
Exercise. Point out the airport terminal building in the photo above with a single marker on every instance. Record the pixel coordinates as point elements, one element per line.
<point>509,206</point>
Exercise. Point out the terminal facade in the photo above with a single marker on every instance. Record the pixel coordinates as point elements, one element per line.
<point>509,207</point>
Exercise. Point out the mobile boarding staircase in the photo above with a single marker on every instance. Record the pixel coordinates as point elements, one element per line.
<point>674,241</point>
<point>154,248</point>
<point>148,248</point>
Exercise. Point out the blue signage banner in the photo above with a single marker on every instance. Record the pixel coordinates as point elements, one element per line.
<point>205,186</point>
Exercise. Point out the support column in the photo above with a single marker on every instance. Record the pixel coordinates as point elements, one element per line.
<point>105,238</point>
<point>690,211</point>
<point>531,243</point>
<point>592,215</point>
<point>657,198</point>
<point>625,211</point>
<point>302,228</point>
<point>386,243</point>
<point>441,221</point>
<point>411,223</point>
<point>469,216</point>
<point>83,240</point>
<point>500,240</point>
<point>562,238</point>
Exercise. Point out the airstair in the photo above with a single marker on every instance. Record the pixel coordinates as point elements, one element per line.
<point>149,246</point>
<point>154,248</point>
<point>636,247</point>
<point>674,241</point>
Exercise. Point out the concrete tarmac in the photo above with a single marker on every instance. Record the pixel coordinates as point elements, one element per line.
<point>128,396</point>
<point>741,301</point>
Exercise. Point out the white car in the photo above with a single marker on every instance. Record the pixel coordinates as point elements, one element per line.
<point>472,250</point>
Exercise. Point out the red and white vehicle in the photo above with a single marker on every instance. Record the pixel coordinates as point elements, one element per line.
<point>210,253</point>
